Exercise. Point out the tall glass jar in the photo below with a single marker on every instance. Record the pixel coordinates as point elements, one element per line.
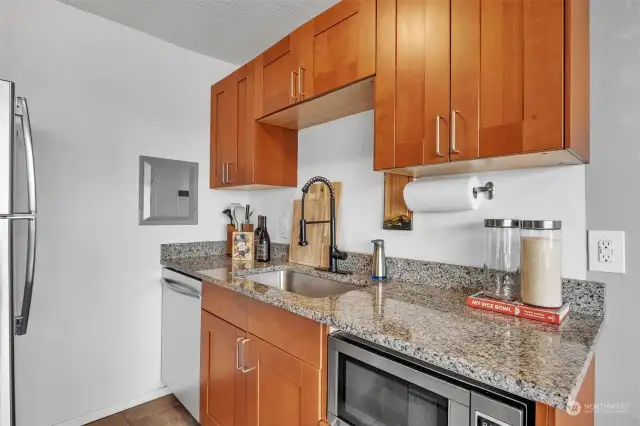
<point>502,258</point>
<point>542,263</point>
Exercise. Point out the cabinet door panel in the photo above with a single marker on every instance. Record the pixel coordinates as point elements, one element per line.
<point>222,149</point>
<point>343,44</point>
<point>223,386</point>
<point>465,76</point>
<point>243,126</point>
<point>544,84</point>
<point>281,390</point>
<point>422,82</point>
<point>508,74</point>
<point>278,85</point>
<point>412,83</point>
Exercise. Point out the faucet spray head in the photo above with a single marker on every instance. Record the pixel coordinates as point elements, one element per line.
<point>302,241</point>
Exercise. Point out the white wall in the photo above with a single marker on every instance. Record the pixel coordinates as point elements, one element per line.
<point>612,196</point>
<point>100,95</point>
<point>342,150</point>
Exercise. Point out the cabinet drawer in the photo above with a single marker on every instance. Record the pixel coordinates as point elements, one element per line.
<point>301,337</point>
<point>225,304</point>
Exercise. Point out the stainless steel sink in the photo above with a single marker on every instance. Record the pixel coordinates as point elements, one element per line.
<point>302,284</point>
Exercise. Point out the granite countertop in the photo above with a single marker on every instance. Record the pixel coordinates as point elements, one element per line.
<point>537,361</point>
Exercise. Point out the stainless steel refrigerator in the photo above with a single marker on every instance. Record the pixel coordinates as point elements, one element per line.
<point>17,236</point>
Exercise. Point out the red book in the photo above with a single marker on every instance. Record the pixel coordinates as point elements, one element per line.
<point>519,309</point>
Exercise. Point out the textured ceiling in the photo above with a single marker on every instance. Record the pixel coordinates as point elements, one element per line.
<point>232,30</point>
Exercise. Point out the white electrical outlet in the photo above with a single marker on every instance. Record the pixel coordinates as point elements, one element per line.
<point>607,251</point>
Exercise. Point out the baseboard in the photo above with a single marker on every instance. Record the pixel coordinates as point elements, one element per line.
<point>115,408</point>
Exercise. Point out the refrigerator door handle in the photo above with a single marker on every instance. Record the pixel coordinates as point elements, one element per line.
<point>23,319</point>
<point>22,111</point>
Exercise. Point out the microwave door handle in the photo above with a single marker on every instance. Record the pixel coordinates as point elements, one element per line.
<point>22,321</point>
<point>22,111</point>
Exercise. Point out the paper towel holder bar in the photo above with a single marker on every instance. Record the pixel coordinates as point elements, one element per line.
<point>489,190</point>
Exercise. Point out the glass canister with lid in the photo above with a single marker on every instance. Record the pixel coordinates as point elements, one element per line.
<point>502,259</point>
<point>541,263</point>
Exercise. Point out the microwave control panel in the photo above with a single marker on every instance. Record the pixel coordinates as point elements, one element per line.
<point>485,420</point>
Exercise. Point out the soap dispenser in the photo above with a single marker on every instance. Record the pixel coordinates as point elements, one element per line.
<point>379,267</point>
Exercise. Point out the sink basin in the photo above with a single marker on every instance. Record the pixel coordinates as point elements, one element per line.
<point>302,284</point>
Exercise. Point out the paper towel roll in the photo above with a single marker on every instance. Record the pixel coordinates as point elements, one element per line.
<point>442,194</point>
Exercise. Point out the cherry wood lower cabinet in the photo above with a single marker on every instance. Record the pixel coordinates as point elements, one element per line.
<point>222,384</point>
<point>582,416</point>
<point>277,379</point>
<point>281,389</point>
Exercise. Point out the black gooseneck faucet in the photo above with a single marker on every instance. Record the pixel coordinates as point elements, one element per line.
<point>334,253</point>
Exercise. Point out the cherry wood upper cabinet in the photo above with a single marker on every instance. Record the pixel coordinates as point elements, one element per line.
<point>277,68</point>
<point>343,45</point>
<point>507,88</point>
<point>335,50</point>
<point>281,389</point>
<point>412,83</point>
<point>513,74</point>
<point>223,151</point>
<point>245,153</point>
<point>223,386</point>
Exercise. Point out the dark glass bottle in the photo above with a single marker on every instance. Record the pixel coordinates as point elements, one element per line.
<point>256,234</point>
<point>263,250</point>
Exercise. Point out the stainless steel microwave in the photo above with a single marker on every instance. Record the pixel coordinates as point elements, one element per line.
<point>374,386</point>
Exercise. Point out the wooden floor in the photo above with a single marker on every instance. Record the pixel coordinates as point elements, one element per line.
<point>165,411</point>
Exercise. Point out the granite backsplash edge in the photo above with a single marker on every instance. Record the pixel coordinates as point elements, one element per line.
<point>586,297</point>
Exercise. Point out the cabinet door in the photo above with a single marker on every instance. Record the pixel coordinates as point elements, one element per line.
<point>242,126</point>
<point>279,77</point>
<point>412,83</point>
<point>281,389</point>
<point>222,385</point>
<point>507,87</point>
<point>343,46</point>
<point>222,150</point>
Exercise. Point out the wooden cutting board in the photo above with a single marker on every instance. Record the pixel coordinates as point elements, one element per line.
<point>317,206</point>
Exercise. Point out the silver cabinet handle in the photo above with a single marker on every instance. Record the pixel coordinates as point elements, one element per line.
<point>244,369</point>
<point>438,154</point>
<point>228,180</point>
<point>453,132</point>
<point>300,81</point>
<point>22,111</point>
<point>181,289</point>
<point>238,367</point>
<point>223,181</point>
<point>293,86</point>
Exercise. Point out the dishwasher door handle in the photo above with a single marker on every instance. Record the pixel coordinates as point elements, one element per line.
<point>178,288</point>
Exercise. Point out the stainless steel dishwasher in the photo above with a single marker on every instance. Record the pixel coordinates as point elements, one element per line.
<point>181,304</point>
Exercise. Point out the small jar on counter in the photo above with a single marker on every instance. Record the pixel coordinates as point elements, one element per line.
<point>502,258</point>
<point>541,263</point>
